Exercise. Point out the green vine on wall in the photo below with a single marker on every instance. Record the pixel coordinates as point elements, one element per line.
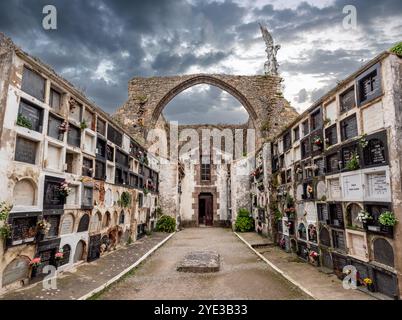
<point>5,228</point>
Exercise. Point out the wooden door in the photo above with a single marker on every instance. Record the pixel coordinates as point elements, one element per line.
<point>205,209</point>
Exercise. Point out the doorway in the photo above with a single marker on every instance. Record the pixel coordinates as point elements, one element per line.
<point>205,212</point>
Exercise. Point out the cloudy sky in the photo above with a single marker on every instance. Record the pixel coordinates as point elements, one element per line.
<point>100,44</point>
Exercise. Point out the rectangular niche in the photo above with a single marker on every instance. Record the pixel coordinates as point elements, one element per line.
<point>89,119</point>
<point>73,198</point>
<point>110,173</point>
<point>26,150</point>
<point>357,244</point>
<point>352,188</point>
<point>54,157</point>
<point>377,185</point>
<point>333,188</point>
<point>89,143</point>
<point>73,163</point>
<point>373,117</point>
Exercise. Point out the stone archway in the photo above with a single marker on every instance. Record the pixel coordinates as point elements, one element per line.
<point>260,95</point>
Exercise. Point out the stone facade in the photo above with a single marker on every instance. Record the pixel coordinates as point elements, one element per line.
<point>334,174</point>
<point>53,136</point>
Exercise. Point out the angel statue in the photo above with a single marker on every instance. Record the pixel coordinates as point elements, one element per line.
<point>271,65</point>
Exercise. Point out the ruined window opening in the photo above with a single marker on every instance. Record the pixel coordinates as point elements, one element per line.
<point>30,116</point>
<point>33,84</point>
<point>55,100</point>
<point>347,99</point>
<point>349,127</point>
<point>74,136</point>
<point>53,129</point>
<point>87,167</point>
<point>26,150</point>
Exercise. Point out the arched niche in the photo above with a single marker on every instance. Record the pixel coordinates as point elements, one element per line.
<point>325,238</point>
<point>24,193</point>
<point>352,211</point>
<point>383,252</point>
<point>95,222</point>
<point>16,270</point>
<point>84,223</point>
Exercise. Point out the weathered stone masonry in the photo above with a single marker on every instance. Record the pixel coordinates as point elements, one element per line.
<point>339,159</point>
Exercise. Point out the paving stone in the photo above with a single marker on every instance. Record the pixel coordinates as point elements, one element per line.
<point>200,262</point>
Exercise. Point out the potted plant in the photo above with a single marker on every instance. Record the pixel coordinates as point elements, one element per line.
<point>23,121</point>
<point>387,221</point>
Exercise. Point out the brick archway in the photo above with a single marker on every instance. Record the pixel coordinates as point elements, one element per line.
<point>260,95</point>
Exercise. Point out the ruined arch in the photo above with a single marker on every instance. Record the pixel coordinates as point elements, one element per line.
<point>203,79</point>
<point>260,95</point>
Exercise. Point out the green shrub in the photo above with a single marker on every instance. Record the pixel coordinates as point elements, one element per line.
<point>397,49</point>
<point>166,224</point>
<point>387,218</point>
<point>244,222</point>
<point>125,199</point>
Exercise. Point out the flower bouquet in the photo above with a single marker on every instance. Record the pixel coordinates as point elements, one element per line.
<point>59,255</point>
<point>363,216</point>
<point>317,141</point>
<point>64,189</point>
<point>35,262</point>
<point>43,226</point>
